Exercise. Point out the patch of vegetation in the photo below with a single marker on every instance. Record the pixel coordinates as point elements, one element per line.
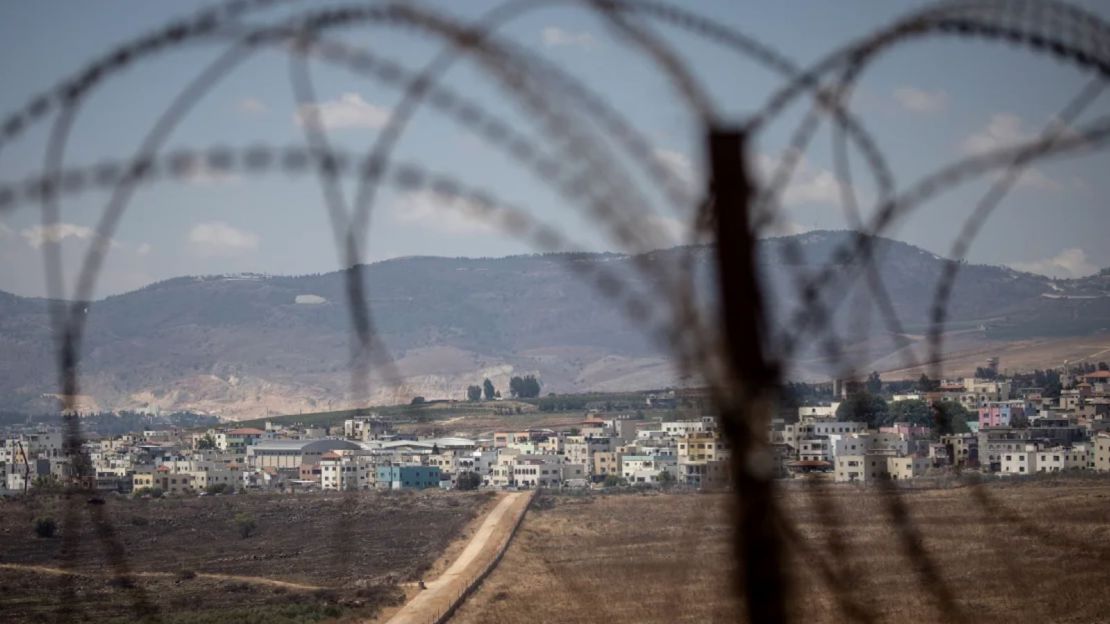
<point>613,480</point>
<point>153,492</point>
<point>45,527</point>
<point>469,481</point>
<point>245,524</point>
<point>262,614</point>
<point>217,488</point>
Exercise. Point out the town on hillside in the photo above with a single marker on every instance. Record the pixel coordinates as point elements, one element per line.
<point>868,431</point>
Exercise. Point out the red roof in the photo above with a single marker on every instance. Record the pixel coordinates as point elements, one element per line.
<point>246,431</point>
<point>1102,374</point>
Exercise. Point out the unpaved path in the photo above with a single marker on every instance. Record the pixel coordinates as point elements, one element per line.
<point>253,580</point>
<point>480,554</point>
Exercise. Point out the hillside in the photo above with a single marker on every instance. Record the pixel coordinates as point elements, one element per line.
<point>249,345</point>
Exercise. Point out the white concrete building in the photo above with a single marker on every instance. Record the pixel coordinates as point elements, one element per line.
<point>1100,453</point>
<point>1021,461</point>
<point>346,470</point>
<point>810,413</point>
<point>906,468</point>
<point>1062,458</point>
<point>862,468</point>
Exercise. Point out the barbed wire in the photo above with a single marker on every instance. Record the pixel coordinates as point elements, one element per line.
<point>565,113</point>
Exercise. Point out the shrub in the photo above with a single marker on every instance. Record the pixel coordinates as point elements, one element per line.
<point>45,527</point>
<point>245,524</point>
<point>666,480</point>
<point>153,492</point>
<point>469,480</point>
<point>47,482</point>
<point>612,480</point>
<point>216,488</point>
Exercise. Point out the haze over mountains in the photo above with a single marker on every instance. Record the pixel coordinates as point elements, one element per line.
<point>249,345</point>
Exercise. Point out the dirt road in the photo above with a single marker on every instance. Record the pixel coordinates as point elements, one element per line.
<point>253,580</point>
<point>479,556</point>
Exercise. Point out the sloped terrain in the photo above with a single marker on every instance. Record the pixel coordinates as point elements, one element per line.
<point>249,345</point>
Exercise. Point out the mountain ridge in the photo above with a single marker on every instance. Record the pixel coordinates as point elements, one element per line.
<point>251,345</point>
<point>250,274</point>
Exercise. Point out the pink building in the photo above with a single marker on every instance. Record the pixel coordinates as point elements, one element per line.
<point>999,414</point>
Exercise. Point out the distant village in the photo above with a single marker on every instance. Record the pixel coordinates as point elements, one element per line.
<point>1010,433</point>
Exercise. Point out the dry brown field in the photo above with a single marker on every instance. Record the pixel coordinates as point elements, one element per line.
<point>964,351</point>
<point>1002,552</point>
<point>319,557</point>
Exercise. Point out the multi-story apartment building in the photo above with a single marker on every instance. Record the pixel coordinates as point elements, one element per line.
<point>962,448</point>
<point>580,449</point>
<point>1100,453</point>
<point>1020,461</point>
<point>703,460</point>
<point>606,463</point>
<point>979,392</point>
<point>346,470</point>
<point>647,468</point>
<point>1063,458</point>
<point>861,468</point>
<point>906,468</point>
<point>1001,413</point>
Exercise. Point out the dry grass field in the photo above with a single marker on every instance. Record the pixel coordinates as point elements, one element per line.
<point>1011,552</point>
<point>964,351</point>
<point>311,558</point>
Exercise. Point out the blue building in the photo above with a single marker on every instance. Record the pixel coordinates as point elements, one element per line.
<point>411,477</point>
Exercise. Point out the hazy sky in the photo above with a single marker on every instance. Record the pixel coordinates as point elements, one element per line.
<point>927,103</point>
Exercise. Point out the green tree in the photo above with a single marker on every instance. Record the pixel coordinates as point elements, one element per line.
<point>473,393</point>
<point>468,481</point>
<point>45,527</point>
<point>612,480</point>
<point>874,383</point>
<point>417,400</point>
<point>950,417</point>
<point>245,524</point>
<point>666,480</point>
<point>924,384</point>
<point>530,387</point>
<point>527,387</point>
<point>863,407</point>
<point>914,412</point>
<point>985,373</point>
<point>206,443</point>
<point>46,482</point>
<point>488,390</point>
